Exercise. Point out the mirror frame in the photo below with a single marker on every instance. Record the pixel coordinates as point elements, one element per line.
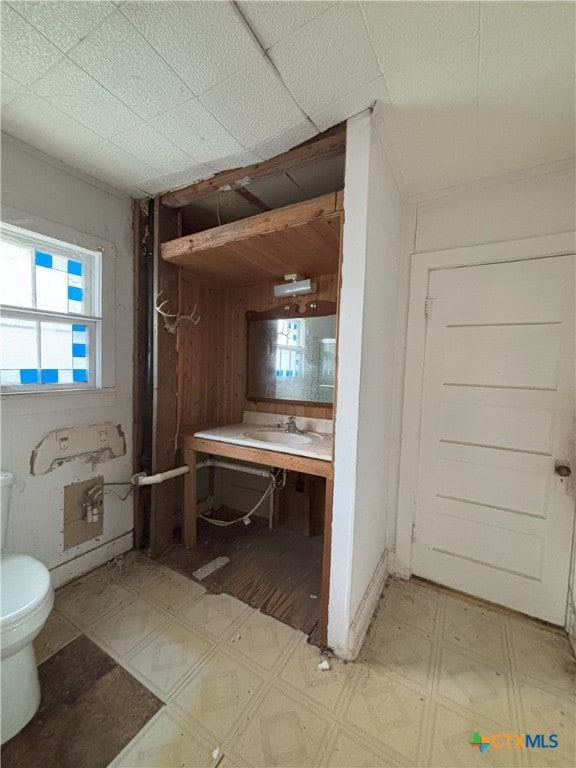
<point>289,311</point>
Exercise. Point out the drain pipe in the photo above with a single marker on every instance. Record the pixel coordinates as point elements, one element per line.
<point>141,478</point>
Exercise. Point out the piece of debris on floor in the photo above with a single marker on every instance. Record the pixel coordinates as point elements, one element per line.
<point>210,568</point>
<point>216,753</point>
<point>324,665</point>
<point>314,597</point>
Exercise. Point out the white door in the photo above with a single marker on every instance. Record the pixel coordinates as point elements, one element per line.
<point>494,518</point>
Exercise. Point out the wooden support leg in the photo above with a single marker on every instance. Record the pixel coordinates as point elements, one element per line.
<point>189,522</point>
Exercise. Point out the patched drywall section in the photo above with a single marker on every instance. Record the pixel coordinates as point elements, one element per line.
<point>41,195</point>
<point>92,443</point>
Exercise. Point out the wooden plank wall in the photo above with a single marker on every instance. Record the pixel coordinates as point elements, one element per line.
<point>212,359</point>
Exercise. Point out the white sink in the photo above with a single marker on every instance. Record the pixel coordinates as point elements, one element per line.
<point>280,437</point>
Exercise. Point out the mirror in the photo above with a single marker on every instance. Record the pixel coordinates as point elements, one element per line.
<point>292,354</point>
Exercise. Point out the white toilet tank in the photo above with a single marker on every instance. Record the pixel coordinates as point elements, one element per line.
<point>6,480</point>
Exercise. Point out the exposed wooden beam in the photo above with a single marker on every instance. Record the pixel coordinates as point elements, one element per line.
<point>332,143</point>
<point>251,198</point>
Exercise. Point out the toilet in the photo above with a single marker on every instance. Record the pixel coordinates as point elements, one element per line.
<point>26,600</point>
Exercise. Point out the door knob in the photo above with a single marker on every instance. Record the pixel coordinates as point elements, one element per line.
<point>563,469</point>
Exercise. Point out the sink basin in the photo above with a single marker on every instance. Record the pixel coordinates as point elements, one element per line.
<point>280,437</point>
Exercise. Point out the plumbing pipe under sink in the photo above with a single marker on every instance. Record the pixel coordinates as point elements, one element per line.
<point>143,479</point>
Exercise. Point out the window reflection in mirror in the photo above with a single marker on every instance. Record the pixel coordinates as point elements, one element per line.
<point>292,357</point>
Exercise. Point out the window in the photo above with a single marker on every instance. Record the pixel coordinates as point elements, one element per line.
<point>51,313</point>
<point>288,349</point>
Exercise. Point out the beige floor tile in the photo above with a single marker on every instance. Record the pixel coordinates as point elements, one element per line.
<point>128,627</point>
<point>413,604</point>
<point>261,639</point>
<point>282,731</point>
<point>166,742</point>
<point>475,628</point>
<point>168,589</point>
<point>546,712</point>
<point>481,687</point>
<point>450,733</point>
<point>387,711</point>
<point>92,598</point>
<point>168,658</point>
<point>56,633</point>
<point>217,694</point>
<point>327,687</point>
<point>348,751</point>
<point>213,614</point>
<point>542,654</point>
<point>401,650</point>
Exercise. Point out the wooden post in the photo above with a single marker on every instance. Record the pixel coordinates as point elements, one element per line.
<point>189,533</point>
<point>326,562</point>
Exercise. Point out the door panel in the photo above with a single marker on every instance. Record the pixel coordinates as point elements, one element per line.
<point>493,519</point>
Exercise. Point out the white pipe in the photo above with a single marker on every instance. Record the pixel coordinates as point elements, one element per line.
<point>160,477</point>
<point>235,467</point>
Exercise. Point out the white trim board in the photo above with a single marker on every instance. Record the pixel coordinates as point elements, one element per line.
<point>421,266</point>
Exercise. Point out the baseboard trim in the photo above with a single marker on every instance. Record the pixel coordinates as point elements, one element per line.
<point>366,609</point>
<point>87,561</point>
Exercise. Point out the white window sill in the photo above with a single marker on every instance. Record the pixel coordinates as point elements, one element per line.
<point>20,403</point>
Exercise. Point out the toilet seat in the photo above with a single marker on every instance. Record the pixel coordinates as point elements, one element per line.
<point>25,589</point>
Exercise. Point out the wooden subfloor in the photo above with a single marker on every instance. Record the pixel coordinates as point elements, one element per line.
<point>276,571</point>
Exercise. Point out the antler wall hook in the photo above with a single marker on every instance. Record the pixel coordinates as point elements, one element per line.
<point>171,322</point>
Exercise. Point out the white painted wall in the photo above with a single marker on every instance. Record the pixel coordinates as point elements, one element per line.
<point>501,209</point>
<point>366,345</point>
<point>42,195</point>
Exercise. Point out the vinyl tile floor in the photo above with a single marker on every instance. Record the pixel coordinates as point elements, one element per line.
<point>238,688</point>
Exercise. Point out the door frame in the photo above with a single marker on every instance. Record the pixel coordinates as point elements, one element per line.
<point>422,264</point>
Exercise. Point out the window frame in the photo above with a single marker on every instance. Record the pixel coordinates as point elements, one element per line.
<point>101,290</point>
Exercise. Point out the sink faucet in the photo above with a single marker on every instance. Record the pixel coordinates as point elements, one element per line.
<point>290,425</point>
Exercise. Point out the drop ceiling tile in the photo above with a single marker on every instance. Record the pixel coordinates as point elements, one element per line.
<point>271,21</point>
<point>204,42</point>
<point>237,160</point>
<point>445,82</point>
<point>111,165</point>
<point>286,140</point>
<point>320,178</point>
<point>195,131</point>
<point>354,103</point>
<point>253,104</point>
<point>278,191</point>
<point>70,89</point>
<point>436,154</point>
<point>156,185</point>
<point>327,59</point>
<point>10,90</point>
<point>28,118</point>
<point>26,54</point>
<point>402,32</point>
<point>64,23</point>
<point>119,58</point>
<point>146,144</point>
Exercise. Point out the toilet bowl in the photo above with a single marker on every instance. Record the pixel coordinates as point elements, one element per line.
<point>26,599</point>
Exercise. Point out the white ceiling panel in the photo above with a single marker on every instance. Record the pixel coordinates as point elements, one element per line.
<point>355,102</point>
<point>10,90</point>
<point>295,135</point>
<point>327,59</point>
<point>253,104</point>
<point>204,42</point>
<point>402,32</point>
<point>320,178</point>
<point>271,20</point>
<point>443,83</point>
<point>26,54</point>
<point>119,58</point>
<point>237,160</point>
<point>157,184</point>
<point>111,165</point>
<point>38,123</point>
<point>153,149</point>
<point>70,89</point>
<point>64,22</point>
<point>192,128</point>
